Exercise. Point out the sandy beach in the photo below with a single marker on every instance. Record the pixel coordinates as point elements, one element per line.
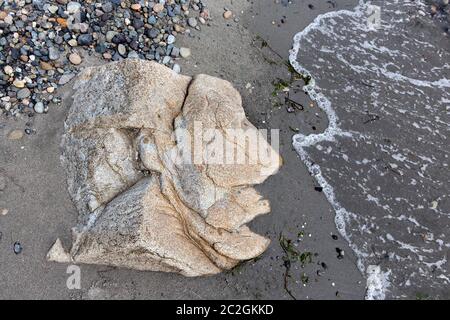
<point>251,51</point>
<point>39,208</point>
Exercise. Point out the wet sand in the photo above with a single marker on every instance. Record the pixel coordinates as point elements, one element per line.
<point>250,53</point>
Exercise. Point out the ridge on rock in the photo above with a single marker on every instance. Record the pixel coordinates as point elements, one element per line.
<point>147,198</point>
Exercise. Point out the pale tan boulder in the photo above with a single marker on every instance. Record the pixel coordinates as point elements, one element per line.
<point>145,203</point>
<point>106,165</point>
<point>130,94</point>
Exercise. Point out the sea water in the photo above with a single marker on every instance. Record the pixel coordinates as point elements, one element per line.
<point>381,73</point>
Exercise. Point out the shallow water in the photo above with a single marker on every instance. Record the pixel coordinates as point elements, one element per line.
<point>383,161</point>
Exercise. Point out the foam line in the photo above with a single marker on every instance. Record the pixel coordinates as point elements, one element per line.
<point>375,289</point>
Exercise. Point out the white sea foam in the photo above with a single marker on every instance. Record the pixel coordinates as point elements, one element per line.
<point>377,283</point>
<point>300,141</point>
<point>372,68</point>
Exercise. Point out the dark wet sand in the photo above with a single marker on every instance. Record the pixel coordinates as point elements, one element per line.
<point>40,209</point>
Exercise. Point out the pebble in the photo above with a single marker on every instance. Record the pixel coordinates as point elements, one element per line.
<point>158,7</point>
<point>17,248</point>
<point>65,78</point>
<point>152,20</point>
<point>122,50</point>
<point>45,66</point>
<point>36,36</point>
<point>85,39</point>
<point>39,107</point>
<point>136,6</point>
<point>62,22</point>
<point>176,67</point>
<point>133,55</point>
<point>227,14</point>
<point>8,70</point>
<point>15,135</point>
<point>19,83</point>
<point>52,8</point>
<point>110,35</point>
<point>23,93</point>
<point>192,22</point>
<point>170,39</point>
<point>179,28</point>
<point>53,53</point>
<point>175,52</point>
<point>75,58</point>
<point>72,42</point>
<point>73,7</point>
<point>8,19</point>
<point>185,52</point>
<point>166,60</point>
<point>107,7</point>
<point>4,211</point>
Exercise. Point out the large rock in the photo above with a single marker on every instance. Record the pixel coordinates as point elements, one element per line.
<point>153,189</point>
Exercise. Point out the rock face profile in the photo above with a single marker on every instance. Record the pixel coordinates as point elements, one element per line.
<point>161,169</point>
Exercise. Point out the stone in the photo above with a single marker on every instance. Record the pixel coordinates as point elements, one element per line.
<point>179,28</point>
<point>45,66</point>
<point>17,247</point>
<point>15,135</point>
<point>19,83</point>
<point>135,7</point>
<point>8,70</point>
<point>72,42</point>
<point>52,8</point>
<point>39,107</point>
<point>166,60</point>
<point>152,33</point>
<point>23,93</point>
<point>83,27</point>
<point>175,53</point>
<point>53,53</point>
<point>227,14</point>
<point>85,39</point>
<point>62,22</point>
<point>110,35</point>
<point>192,22</point>
<point>177,68</point>
<point>133,55</point>
<point>185,52</point>
<point>57,253</point>
<point>171,39</point>
<point>8,19</point>
<point>73,7</point>
<point>122,50</point>
<point>158,7</point>
<point>152,20</point>
<point>65,78</point>
<point>138,24</point>
<point>75,58</point>
<point>143,201</point>
<point>38,33</point>
<point>107,7</point>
